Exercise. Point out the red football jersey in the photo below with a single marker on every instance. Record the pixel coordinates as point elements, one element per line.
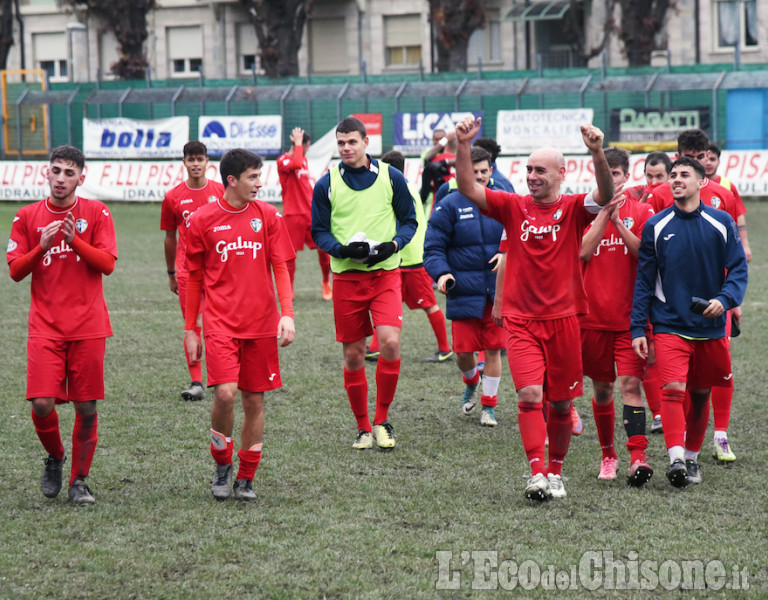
<point>67,295</point>
<point>609,276</point>
<point>543,275</point>
<point>178,206</point>
<point>731,187</point>
<point>296,182</point>
<point>235,249</point>
<point>712,194</point>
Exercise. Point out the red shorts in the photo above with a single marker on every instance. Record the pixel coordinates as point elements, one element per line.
<point>417,288</point>
<point>299,230</point>
<point>355,294</point>
<point>546,353</point>
<point>701,364</point>
<point>601,349</point>
<point>66,371</point>
<point>252,364</point>
<point>470,335</point>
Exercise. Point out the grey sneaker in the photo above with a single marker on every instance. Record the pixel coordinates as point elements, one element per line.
<point>80,493</point>
<point>488,417</point>
<point>693,471</point>
<point>221,483</point>
<point>656,426</point>
<point>469,399</point>
<point>556,486</point>
<point>677,473</point>
<point>243,490</point>
<point>439,357</point>
<point>195,392</point>
<point>537,488</point>
<point>51,480</point>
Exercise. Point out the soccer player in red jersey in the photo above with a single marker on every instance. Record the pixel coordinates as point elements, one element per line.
<point>543,293</point>
<point>691,270</point>
<point>178,206</point>
<point>67,243</point>
<point>234,246</point>
<point>609,251</point>
<point>363,215</point>
<point>297,183</point>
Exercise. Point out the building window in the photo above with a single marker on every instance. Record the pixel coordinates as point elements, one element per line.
<point>49,49</point>
<point>402,40</point>
<point>736,22</point>
<point>485,43</point>
<point>185,51</point>
<point>328,46</point>
<point>247,50</point>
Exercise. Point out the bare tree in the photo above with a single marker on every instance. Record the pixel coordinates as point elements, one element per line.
<point>128,20</point>
<point>455,21</point>
<point>641,21</point>
<point>6,31</point>
<point>279,26</point>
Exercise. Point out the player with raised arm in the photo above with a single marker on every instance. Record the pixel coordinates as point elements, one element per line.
<point>297,183</point>
<point>67,243</point>
<point>543,293</point>
<point>235,244</point>
<point>178,206</point>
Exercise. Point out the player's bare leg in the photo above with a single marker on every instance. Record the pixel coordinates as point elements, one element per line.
<point>222,447</point>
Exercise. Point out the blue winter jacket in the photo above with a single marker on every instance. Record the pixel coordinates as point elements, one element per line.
<point>684,255</point>
<point>461,241</point>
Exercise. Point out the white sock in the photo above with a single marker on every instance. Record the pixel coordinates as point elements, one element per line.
<point>721,435</point>
<point>691,455</point>
<point>470,374</point>
<point>676,452</point>
<point>490,385</point>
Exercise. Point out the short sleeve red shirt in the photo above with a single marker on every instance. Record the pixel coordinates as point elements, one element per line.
<point>712,194</point>
<point>609,276</point>
<point>67,297</point>
<point>178,206</point>
<point>731,187</point>
<point>543,275</point>
<point>235,249</point>
<point>296,182</point>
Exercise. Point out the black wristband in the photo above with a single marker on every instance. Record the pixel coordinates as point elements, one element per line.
<point>171,272</point>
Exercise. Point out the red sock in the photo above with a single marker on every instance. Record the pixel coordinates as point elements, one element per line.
<point>249,462</point>
<point>533,430</point>
<point>636,446</point>
<point>47,429</point>
<point>673,417</point>
<point>85,435</point>
<point>357,391</point>
<point>604,421</point>
<point>559,428</point>
<point>291,264</point>
<point>222,450</point>
<point>387,374</point>
<point>374,345</point>
<point>721,407</point>
<point>490,401</point>
<point>437,320</point>
<point>696,419</point>
<point>325,265</point>
<point>195,369</point>
<point>472,381</point>
<point>652,389</point>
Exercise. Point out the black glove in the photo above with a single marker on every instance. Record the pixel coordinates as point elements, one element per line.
<point>355,250</point>
<point>383,252</point>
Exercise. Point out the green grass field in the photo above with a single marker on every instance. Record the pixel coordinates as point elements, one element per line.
<point>336,523</point>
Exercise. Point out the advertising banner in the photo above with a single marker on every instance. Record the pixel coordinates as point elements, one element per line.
<point>373,126</point>
<point>412,132</point>
<point>132,138</point>
<point>522,131</point>
<point>649,129</point>
<point>262,134</point>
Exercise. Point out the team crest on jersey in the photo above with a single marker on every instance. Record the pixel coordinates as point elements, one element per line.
<point>12,245</point>
<point>256,225</point>
<point>212,198</point>
<point>81,225</point>
<point>716,202</point>
<point>558,214</point>
<point>628,222</point>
